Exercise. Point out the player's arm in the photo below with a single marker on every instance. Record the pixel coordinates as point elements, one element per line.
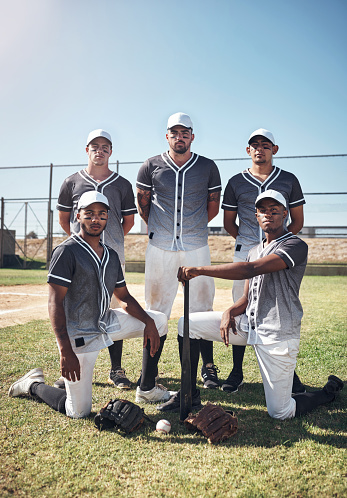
<point>128,223</point>
<point>230,223</point>
<point>144,203</point>
<point>213,201</point>
<point>228,317</point>
<point>234,271</point>
<point>129,304</point>
<point>69,364</point>
<point>297,219</point>
<point>64,221</point>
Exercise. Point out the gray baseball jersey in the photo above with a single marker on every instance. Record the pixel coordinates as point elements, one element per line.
<point>240,195</point>
<point>178,215</point>
<point>274,310</point>
<point>90,282</point>
<point>120,195</point>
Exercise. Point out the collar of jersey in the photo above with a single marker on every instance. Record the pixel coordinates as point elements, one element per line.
<point>166,157</point>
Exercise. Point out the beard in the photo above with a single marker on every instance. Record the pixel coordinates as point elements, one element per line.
<point>180,148</point>
<point>90,233</point>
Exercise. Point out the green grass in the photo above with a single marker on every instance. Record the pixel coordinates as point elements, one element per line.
<point>44,453</point>
<point>21,277</point>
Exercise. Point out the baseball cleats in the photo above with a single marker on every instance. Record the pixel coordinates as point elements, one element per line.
<point>119,379</point>
<point>233,382</point>
<point>173,405</point>
<point>22,386</point>
<point>333,386</point>
<point>159,394</point>
<point>60,383</point>
<point>298,386</point>
<point>209,376</point>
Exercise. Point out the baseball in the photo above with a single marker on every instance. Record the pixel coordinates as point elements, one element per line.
<point>163,426</point>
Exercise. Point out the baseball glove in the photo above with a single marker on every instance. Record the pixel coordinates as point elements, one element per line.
<point>120,413</point>
<point>215,423</point>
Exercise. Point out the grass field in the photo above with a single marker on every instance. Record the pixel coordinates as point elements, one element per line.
<point>45,454</point>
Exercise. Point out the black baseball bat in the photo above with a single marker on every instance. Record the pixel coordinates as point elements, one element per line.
<point>186,382</point>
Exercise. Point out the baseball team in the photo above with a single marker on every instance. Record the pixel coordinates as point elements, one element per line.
<point>178,194</point>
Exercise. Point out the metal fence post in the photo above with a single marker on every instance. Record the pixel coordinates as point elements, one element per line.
<point>49,219</point>
<point>2,233</point>
<point>25,234</point>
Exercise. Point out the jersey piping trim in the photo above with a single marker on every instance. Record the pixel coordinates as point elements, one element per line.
<point>290,259</point>
<point>296,202</point>
<point>63,206</point>
<point>59,278</point>
<point>213,188</point>
<point>144,184</point>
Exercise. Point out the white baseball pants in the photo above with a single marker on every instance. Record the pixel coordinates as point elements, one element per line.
<point>276,361</point>
<point>79,394</point>
<point>161,282</point>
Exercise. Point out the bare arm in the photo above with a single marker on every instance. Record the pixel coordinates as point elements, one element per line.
<point>230,223</point>
<point>297,219</point>
<point>228,317</point>
<point>234,271</point>
<point>69,364</point>
<point>144,203</point>
<point>64,221</point>
<point>213,201</point>
<point>128,223</point>
<point>131,306</point>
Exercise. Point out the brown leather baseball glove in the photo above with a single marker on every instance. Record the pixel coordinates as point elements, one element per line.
<point>214,422</point>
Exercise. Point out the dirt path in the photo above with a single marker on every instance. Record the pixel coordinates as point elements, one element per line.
<point>22,303</point>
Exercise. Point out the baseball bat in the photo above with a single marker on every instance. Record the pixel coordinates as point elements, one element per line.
<point>186,382</point>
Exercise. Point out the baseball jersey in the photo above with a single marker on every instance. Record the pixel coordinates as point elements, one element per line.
<point>240,195</point>
<point>178,214</point>
<point>90,282</point>
<point>120,196</point>
<point>274,310</point>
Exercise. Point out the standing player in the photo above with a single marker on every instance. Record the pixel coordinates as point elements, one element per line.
<point>238,201</point>
<point>83,275</point>
<point>97,176</point>
<point>267,316</point>
<point>178,193</point>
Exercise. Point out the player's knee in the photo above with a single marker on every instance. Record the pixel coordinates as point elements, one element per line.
<point>161,322</point>
<point>78,410</point>
<point>282,412</point>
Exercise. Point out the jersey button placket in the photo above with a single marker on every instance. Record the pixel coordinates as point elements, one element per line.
<point>179,207</point>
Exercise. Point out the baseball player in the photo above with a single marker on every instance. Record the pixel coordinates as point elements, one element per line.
<point>83,275</point>
<point>97,176</point>
<point>238,201</point>
<point>268,314</point>
<point>178,193</point>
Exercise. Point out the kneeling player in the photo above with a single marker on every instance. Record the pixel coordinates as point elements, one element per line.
<point>83,275</point>
<point>267,316</point>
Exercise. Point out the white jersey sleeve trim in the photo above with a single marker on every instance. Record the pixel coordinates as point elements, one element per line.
<point>59,278</point>
<point>296,202</point>
<point>63,206</point>
<point>290,259</point>
<point>144,184</point>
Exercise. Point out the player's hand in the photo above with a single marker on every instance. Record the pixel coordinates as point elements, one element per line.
<point>187,273</point>
<point>151,334</point>
<point>227,323</point>
<point>70,366</point>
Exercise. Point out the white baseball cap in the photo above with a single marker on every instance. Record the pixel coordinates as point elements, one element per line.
<point>271,194</point>
<point>179,119</point>
<point>98,133</point>
<point>90,197</point>
<point>263,133</point>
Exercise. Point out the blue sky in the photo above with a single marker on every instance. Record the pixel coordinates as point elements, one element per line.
<point>72,66</point>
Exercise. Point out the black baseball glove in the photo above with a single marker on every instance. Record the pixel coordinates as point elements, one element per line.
<point>122,414</point>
